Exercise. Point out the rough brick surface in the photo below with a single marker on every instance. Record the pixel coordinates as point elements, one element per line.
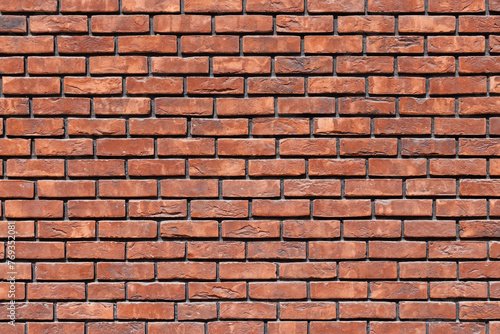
<point>250,166</point>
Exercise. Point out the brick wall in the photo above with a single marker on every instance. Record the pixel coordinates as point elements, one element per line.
<point>250,166</point>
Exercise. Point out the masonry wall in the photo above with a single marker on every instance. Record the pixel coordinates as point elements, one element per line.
<point>250,166</point>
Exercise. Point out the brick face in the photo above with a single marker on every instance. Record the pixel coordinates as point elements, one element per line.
<point>250,166</point>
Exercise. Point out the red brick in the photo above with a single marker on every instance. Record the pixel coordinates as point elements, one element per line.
<point>222,127</point>
<point>58,24</point>
<point>371,106</point>
<point>254,270</point>
<point>195,311</point>
<point>151,85</point>
<point>122,106</point>
<point>454,86</point>
<point>314,311</point>
<point>267,167</point>
<point>271,44</point>
<point>240,107</point>
<point>300,24</point>
<point>12,65</point>
<point>61,106</point>
<point>40,250</point>
<point>248,327</point>
<point>116,65</point>
<point>368,147</point>
<point>127,229</point>
<point>35,168</point>
<point>430,187</point>
<point>275,6</point>
<point>427,310</point>
<point>31,86</point>
<point>456,44</point>
<point>85,44</point>
<point>179,65</point>
<point>391,250</point>
<point>276,250</point>
<point>322,270</point>
<point>101,167</point>
<point>372,229</point>
<point>186,270</point>
<point>366,24</point>
<point>153,310</point>
<point>152,291</point>
<point>127,188</point>
<point>216,167</point>
<point>429,147</point>
<point>182,23</point>
<point>163,208</point>
<point>216,86</point>
<point>261,188</point>
<point>397,86</point>
<point>29,6</point>
<point>427,24</point>
<point>162,6</point>
<point>339,250</point>
<point>341,126</point>
<point>319,6</point>
<point>301,229</point>
<point>426,65</point>
<point>26,44</point>
<point>376,188</point>
<point>147,44</point>
<point>390,6</point>
<point>448,6</point>
<point>457,167</point>
<point>189,188</point>
<point>395,327</point>
<point>341,208</point>
<point>120,24</point>
<point>319,64</point>
<point>418,270</point>
<point>84,209</point>
<point>224,6</point>
<point>333,44</point>
<point>216,250</point>
<point>189,146</point>
<point>219,209</point>
<point>278,290</point>
<point>458,290</point>
<point>423,106</point>
<point>76,271</point>
<point>368,270</point>
<point>280,208</point>
<point>92,86</point>
<point>33,209</point>
<point>401,207</point>
<point>337,167</point>
<point>398,290</point>
<point>167,327</point>
<point>395,44</point>
<point>66,230</point>
<point>462,207</point>
<point>247,310</point>
<point>56,65</point>
<point>107,327</point>
<point>64,147</point>
<point>243,24</point>
<point>210,44</point>
<point>397,167</point>
<point>96,127</point>
<point>82,188</point>
<point>84,6</point>
<point>377,310</point>
<point>402,126</point>
<point>292,327</point>
<point>107,271</point>
<point>125,147</point>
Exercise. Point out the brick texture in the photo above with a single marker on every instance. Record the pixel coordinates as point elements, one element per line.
<point>250,166</point>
